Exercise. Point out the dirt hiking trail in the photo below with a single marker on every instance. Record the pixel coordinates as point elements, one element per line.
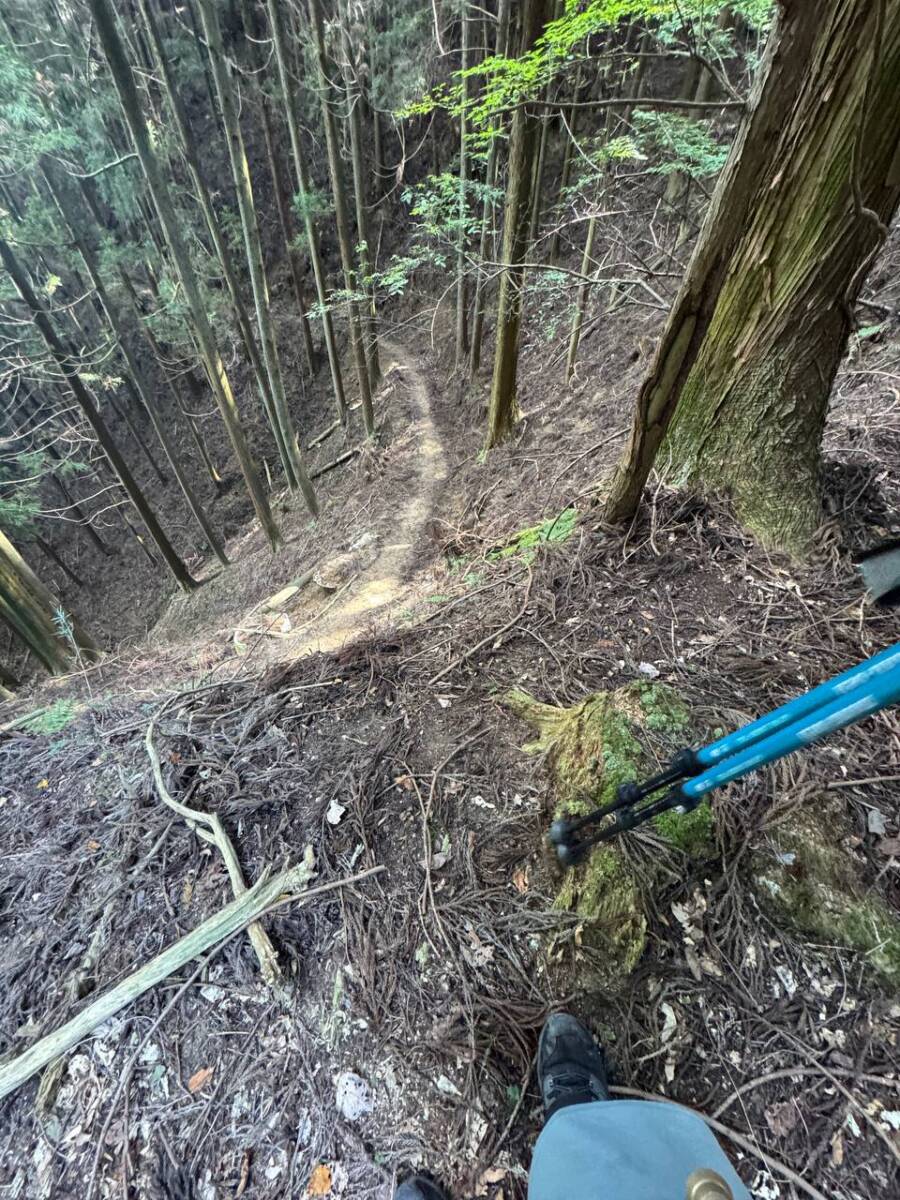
<point>383,586</point>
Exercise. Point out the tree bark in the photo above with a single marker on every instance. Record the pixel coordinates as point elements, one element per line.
<point>86,403</point>
<point>29,608</point>
<point>503,412</point>
<point>341,218</point>
<point>284,223</point>
<point>276,22</point>
<point>487,209</point>
<point>462,332</point>
<point>584,292</point>
<point>285,435</point>
<point>105,21</point>
<point>192,159</point>
<point>354,92</point>
<point>752,344</point>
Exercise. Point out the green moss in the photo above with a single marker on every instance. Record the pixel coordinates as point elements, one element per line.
<point>812,882</point>
<point>691,832</point>
<point>53,718</point>
<point>593,747</point>
<point>526,541</point>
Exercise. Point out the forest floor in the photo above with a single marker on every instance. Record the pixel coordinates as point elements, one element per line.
<point>369,723</point>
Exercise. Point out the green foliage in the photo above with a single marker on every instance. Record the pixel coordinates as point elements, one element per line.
<point>527,541</point>
<point>686,145</point>
<point>20,486</point>
<point>54,718</point>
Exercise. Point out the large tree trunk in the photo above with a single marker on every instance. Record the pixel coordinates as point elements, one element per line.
<point>758,328</point>
<point>279,41</point>
<point>30,609</point>
<point>104,18</point>
<point>524,134</point>
<point>286,438</point>
<point>341,214</point>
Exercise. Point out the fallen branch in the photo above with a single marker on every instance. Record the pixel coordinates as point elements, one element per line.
<point>283,888</point>
<point>209,827</point>
<point>342,458</point>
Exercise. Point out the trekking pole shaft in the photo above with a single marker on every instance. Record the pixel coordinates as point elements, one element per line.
<point>826,693</point>
<point>880,690</point>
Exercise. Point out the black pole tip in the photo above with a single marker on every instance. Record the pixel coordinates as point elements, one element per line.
<point>567,854</point>
<point>560,832</point>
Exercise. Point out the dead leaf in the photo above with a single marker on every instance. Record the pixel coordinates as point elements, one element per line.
<point>43,783</point>
<point>244,1176</point>
<point>875,822</point>
<point>782,1118</point>
<point>404,781</point>
<point>320,1181</point>
<point>199,1079</point>
<point>187,892</point>
<point>93,845</point>
<point>520,880</point>
<point>889,847</point>
<point>174,756</point>
<point>837,1149</point>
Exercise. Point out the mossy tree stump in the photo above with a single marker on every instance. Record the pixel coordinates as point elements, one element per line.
<point>591,748</point>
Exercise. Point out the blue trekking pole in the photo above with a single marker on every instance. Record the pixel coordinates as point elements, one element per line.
<point>857,693</point>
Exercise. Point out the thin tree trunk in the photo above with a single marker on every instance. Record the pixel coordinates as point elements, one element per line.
<point>503,412</point>
<point>198,180</point>
<point>215,369</point>
<point>341,218</point>
<point>357,158</point>
<point>117,325</point>
<point>584,292</point>
<point>88,406</point>
<point>284,222</point>
<point>287,439</point>
<point>753,341</point>
<point>565,172</point>
<point>487,209</point>
<point>30,608</point>
<point>276,22</point>
<point>462,333</point>
<point>140,441</point>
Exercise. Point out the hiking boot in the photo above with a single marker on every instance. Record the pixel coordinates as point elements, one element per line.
<point>417,1187</point>
<point>571,1068</point>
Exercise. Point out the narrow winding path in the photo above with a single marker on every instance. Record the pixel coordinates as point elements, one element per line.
<point>383,587</point>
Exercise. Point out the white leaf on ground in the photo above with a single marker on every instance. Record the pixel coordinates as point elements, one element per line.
<point>334,813</point>
<point>788,982</point>
<point>649,670</point>
<point>670,1023</point>
<point>891,1117</point>
<point>352,1096</point>
<point>447,1086</point>
<point>875,822</point>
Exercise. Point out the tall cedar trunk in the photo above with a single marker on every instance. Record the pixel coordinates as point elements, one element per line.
<point>201,190</point>
<point>88,406</point>
<point>276,22</point>
<point>570,128</point>
<point>524,134</point>
<point>462,332</point>
<point>295,468</point>
<point>287,237</point>
<point>353,87</point>
<point>29,608</point>
<point>117,325</point>
<point>105,20</point>
<point>487,211</point>
<point>753,342</point>
<point>341,217</point>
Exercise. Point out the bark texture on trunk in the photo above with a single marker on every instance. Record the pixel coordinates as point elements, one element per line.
<point>752,344</point>
<point>524,134</point>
